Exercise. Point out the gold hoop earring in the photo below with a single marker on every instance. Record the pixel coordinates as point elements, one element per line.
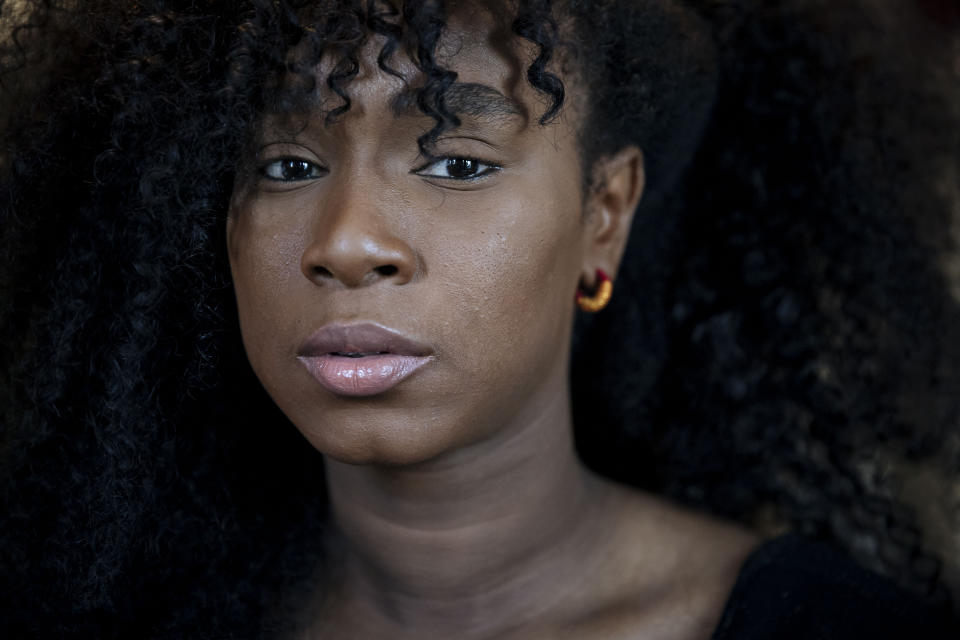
<point>600,298</point>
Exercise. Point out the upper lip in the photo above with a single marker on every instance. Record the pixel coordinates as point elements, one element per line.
<point>366,338</point>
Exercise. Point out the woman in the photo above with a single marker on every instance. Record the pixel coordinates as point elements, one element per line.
<point>410,202</point>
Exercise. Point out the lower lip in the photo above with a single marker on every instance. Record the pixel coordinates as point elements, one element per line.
<point>366,376</point>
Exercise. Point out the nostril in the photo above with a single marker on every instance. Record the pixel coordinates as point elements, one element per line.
<point>386,270</point>
<point>323,272</point>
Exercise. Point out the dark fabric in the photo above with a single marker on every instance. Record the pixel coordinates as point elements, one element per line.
<point>792,588</point>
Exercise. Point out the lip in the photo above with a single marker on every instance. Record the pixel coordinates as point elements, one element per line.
<point>387,358</point>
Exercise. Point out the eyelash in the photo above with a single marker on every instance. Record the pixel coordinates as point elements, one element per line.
<point>275,170</point>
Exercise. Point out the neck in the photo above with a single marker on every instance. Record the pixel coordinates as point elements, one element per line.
<point>482,534</point>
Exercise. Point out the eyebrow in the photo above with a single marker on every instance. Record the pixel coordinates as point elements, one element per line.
<point>466,99</point>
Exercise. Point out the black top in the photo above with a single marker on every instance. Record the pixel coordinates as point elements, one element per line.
<point>792,588</point>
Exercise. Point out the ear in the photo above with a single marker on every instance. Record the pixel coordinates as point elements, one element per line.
<point>617,185</point>
<point>237,200</point>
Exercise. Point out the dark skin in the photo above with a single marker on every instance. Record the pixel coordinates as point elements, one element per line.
<point>461,507</point>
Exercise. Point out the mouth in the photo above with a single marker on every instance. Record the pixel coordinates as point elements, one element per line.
<point>361,359</point>
<point>356,354</point>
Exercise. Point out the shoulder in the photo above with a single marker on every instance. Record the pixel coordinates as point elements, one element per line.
<point>791,587</point>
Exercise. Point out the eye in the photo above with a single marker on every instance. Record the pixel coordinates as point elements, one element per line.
<point>457,168</point>
<point>291,170</point>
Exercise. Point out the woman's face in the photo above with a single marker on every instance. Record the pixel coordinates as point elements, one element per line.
<point>442,290</point>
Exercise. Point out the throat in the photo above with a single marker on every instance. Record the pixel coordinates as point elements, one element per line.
<point>480,544</point>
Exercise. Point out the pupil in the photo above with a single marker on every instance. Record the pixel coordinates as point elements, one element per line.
<point>296,170</point>
<point>461,167</point>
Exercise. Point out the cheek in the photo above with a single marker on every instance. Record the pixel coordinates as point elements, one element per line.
<point>513,285</point>
<point>264,264</point>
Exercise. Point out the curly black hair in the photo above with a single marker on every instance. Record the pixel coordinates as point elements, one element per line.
<point>784,327</point>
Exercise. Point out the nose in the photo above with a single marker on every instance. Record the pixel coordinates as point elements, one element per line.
<point>351,242</point>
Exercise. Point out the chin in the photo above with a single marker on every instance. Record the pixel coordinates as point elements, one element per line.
<point>365,440</point>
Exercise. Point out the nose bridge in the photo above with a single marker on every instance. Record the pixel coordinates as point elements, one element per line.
<point>352,239</point>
